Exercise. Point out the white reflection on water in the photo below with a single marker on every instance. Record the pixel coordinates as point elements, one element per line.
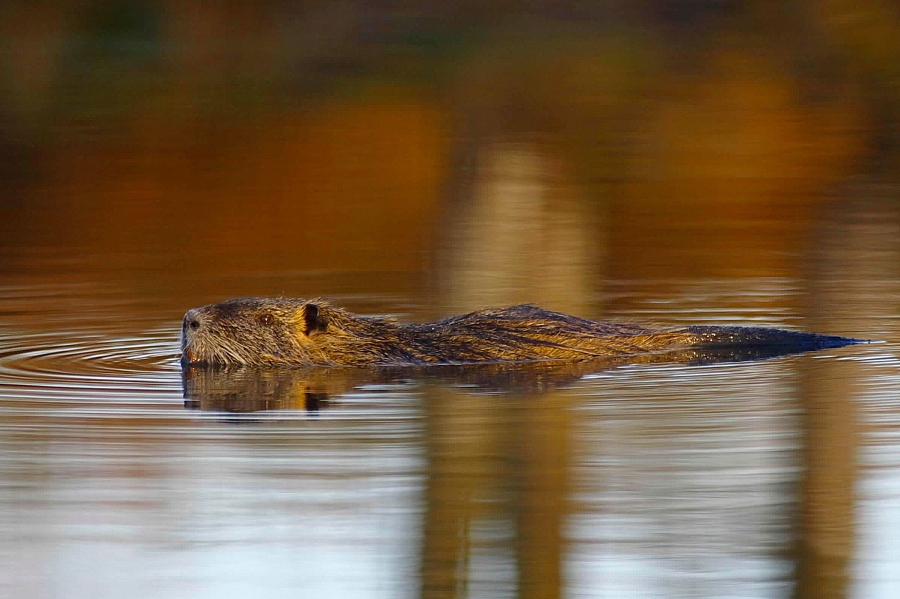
<point>221,520</point>
<point>691,489</point>
<point>878,517</point>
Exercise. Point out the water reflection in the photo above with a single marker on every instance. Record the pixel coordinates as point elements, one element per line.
<point>247,389</point>
<point>658,477</point>
<point>671,162</point>
<point>686,487</point>
<point>858,240</point>
<point>520,230</point>
<point>685,475</point>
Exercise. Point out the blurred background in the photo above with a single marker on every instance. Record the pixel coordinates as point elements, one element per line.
<point>540,146</point>
<point>667,162</point>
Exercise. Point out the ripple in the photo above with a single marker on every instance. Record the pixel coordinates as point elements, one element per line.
<point>79,363</point>
<point>94,379</point>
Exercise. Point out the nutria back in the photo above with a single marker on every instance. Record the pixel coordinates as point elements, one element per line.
<point>267,331</point>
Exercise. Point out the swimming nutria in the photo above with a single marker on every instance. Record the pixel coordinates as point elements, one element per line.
<point>260,331</point>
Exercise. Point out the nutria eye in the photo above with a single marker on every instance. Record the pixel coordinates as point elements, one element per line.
<point>265,319</point>
<point>195,324</point>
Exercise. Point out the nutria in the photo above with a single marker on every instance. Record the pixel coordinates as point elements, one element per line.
<point>260,331</point>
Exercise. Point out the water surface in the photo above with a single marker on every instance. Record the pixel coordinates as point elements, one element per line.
<point>668,163</point>
<point>756,479</point>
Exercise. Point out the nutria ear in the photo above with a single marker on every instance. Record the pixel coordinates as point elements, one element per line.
<point>313,320</point>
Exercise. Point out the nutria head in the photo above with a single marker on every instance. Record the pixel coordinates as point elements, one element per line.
<point>253,331</point>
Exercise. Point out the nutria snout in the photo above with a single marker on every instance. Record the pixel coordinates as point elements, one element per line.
<point>265,331</point>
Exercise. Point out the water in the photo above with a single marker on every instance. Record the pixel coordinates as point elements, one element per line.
<point>665,163</point>
<point>753,479</point>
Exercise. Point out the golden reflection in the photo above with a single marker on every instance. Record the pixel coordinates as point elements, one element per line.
<point>466,485</point>
<point>522,235</point>
<point>541,467</point>
<point>827,525</point>
<point>346,186</point>
<point>858,240</point>
<point>496,495</point>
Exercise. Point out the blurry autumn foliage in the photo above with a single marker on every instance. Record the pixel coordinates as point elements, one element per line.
<point>337,135</point>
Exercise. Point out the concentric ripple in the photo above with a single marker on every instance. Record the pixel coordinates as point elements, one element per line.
<point>79,363</point>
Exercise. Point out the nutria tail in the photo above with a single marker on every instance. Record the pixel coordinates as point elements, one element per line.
<point>719,336</point>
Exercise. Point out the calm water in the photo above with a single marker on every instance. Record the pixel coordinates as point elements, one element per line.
<point>661,162</point>
<point>774,478</point>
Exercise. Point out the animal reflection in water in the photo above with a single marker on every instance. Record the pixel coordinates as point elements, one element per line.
<point>249,389</point>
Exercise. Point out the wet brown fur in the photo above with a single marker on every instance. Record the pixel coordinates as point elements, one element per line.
<point>260,331</point>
